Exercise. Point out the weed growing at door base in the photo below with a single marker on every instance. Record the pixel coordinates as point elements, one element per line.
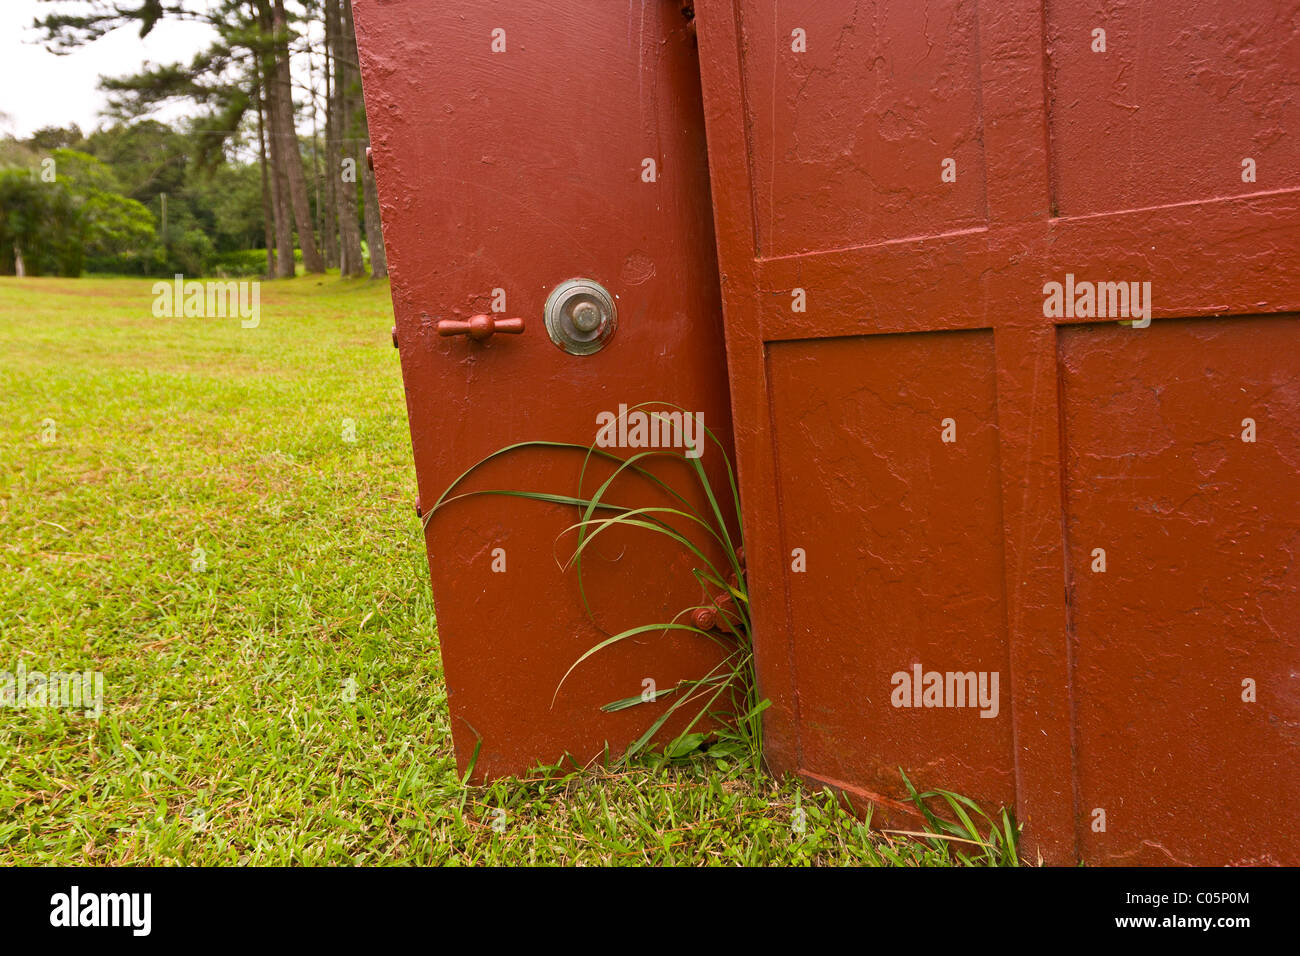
<point>721,706</point>
<point>180,510</point>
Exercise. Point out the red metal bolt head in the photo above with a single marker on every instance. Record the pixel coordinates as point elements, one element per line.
<point>586,316</point>
<point>705,618</point>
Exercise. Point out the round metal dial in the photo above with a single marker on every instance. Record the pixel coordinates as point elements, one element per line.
<point>581,316</point>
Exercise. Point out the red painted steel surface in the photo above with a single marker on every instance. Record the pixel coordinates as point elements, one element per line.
<point>518,170</point>
<point>1121,692</point>
<point>1200,588</point>
<point>873,498</point>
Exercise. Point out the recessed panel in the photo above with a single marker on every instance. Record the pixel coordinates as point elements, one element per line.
<point>1180,98</point>
<point>889,489</point>
<point>1183,521</point>
<point>853,109</point>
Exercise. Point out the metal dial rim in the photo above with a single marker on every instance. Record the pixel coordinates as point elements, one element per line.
<point>560,325</point>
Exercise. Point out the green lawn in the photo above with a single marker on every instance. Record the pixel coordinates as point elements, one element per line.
<point>131,447</point>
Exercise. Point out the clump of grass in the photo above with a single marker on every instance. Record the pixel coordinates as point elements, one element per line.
<point>726,722</point>
<point>999,848</point>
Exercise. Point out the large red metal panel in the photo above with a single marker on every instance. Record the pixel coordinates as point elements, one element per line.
<point>510,144</point>
<point>915,521</point>
<point>827,176</point>
<point>1132,129</point>
<point>1184,586</point>
<point>835,131</point>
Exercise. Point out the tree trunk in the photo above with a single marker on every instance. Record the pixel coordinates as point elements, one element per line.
<point>268,209</point>
<point>284,265</point>
<point>319,222</point>
<point>345,71</point>
<point>282,110</point>
<point>20,268</point>
<point>370,195</point>
<point>330,231</point>
<point>374,228</point>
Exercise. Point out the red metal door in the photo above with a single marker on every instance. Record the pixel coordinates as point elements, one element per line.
<point>947,472</point>
<point>518,145</point>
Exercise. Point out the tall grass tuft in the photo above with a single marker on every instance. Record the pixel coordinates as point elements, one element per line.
<point>962,836</point>
<point>725,714</point>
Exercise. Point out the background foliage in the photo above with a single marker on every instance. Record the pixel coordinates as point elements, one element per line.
<point>270,153</point>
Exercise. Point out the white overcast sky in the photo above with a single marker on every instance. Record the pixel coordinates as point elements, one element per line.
<point>40,89</point>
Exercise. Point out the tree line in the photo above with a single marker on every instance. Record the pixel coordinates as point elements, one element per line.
<point>272,156</point>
